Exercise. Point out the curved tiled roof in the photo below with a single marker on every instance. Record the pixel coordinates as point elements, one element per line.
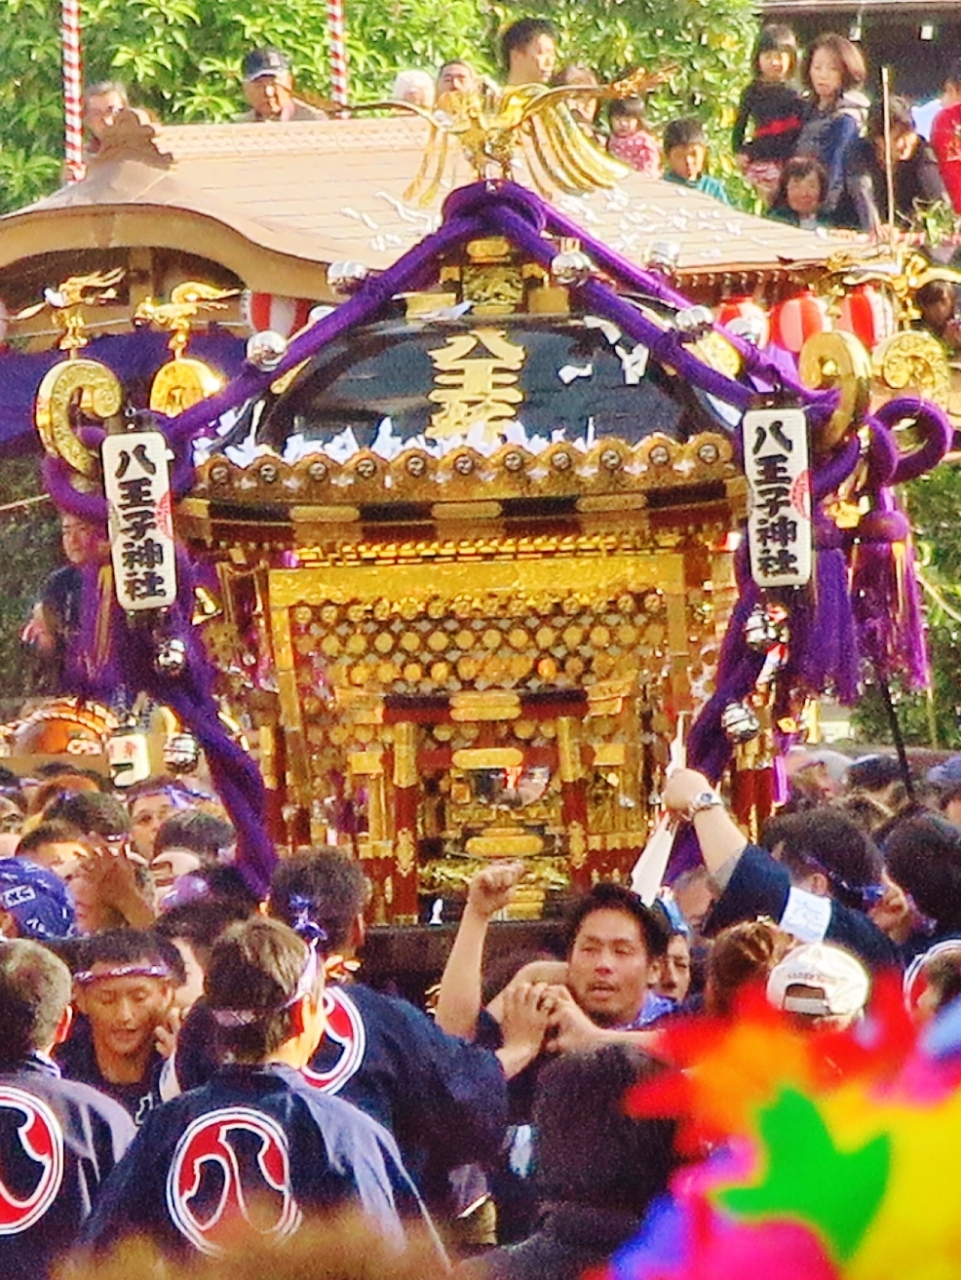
<point>277,204</point>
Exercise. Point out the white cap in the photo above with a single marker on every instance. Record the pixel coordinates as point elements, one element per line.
<point>837,984</point>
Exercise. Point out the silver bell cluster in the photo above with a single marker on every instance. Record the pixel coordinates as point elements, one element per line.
<point>571,268</point>
<point>664,256</point>
<point>761,632</point>
<point>739,722</point>
<point>347,277</point>
<point>181,753</point>
<point>171,657</point>
<point>266,349</point>
<point>692,322</point>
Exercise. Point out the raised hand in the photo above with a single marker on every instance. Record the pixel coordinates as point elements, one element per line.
<point>491,888</point>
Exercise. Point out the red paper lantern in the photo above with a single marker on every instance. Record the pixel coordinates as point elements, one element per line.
<point>745,318</point>
<point>868,313</point>
<point>797,319</point>
<point>273,311</point>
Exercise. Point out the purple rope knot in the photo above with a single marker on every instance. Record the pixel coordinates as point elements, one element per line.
<point>481,199</point>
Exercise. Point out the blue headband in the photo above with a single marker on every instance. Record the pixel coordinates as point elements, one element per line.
<point>36,898</point>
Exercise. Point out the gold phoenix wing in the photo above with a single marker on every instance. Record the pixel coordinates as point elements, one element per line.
<point>492,128</point>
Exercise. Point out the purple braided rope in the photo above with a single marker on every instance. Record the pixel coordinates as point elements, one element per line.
<point>375,293</point>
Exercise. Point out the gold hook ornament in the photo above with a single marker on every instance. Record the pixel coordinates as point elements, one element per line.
<point>73,384</point>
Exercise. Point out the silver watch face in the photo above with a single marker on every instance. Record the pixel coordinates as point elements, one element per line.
<point>706,800</point>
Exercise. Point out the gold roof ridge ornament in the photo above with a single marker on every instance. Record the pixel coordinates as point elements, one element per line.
<point>901,271</point>
<point>492,126</point>
<point>183,381</point>
<point>131,136</point>
<point>66,303</point>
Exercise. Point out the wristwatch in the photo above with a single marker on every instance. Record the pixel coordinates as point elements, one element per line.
<point>704,800</point>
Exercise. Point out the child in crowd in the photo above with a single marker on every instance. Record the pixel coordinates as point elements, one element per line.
<point>773,106</point>
<point>631,140</point>
<point>685,148</point>
<point>833,69</point>
<point>801,193</point>
<point>937,301</point>
<point>945,131</point>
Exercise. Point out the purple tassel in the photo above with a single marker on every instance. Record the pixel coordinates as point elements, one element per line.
<point>887,600</point>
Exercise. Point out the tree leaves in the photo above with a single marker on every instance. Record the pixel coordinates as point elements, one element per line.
<point>181,58</point>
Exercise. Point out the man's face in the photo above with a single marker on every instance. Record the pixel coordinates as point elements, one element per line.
<point>937,314</point>
<point>608,968</point>
<point>904,143</point>
<point>81,540</point>
<point>695,901</point>
<point>187,995</point>
<point>11,817</point>
<point>952,811</point>
<point>675,970</point>
<point>59,856</point>
<point>534,62</point>
<point>147,814</point>
<point>270,97</point>
<point>124,1013</point>
<point>456,78</point>
<point>90,914</point>
<point>814,778</point>
<point>102,110</point>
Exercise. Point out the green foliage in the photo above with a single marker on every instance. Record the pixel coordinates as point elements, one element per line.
<point>181,58</point>
<point>937,222</point>
<point>933,503</point>
<point>30,538</point>
<point>710,43</point>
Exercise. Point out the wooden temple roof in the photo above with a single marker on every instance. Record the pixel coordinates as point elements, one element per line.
<point>277,204</point>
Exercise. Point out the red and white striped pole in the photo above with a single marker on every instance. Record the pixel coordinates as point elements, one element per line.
<point>72,88</point>
<point>338,52</point>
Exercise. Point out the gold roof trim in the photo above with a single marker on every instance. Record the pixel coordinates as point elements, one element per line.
<point>611,466</point>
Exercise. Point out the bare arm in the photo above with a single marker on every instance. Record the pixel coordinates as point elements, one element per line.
<point>572,1029</point>
<point>719,836</point>
<point>459,998</point>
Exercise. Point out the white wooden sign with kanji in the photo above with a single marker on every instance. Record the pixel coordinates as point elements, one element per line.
<point>779,526</point>
<point>137,483</point>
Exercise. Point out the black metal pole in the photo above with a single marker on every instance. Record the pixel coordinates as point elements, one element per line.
<point>897,735</point>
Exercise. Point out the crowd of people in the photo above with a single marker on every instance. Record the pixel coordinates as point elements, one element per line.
<point>185,1064</point>
<point>207,1073</point>
<point>807,136</point>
